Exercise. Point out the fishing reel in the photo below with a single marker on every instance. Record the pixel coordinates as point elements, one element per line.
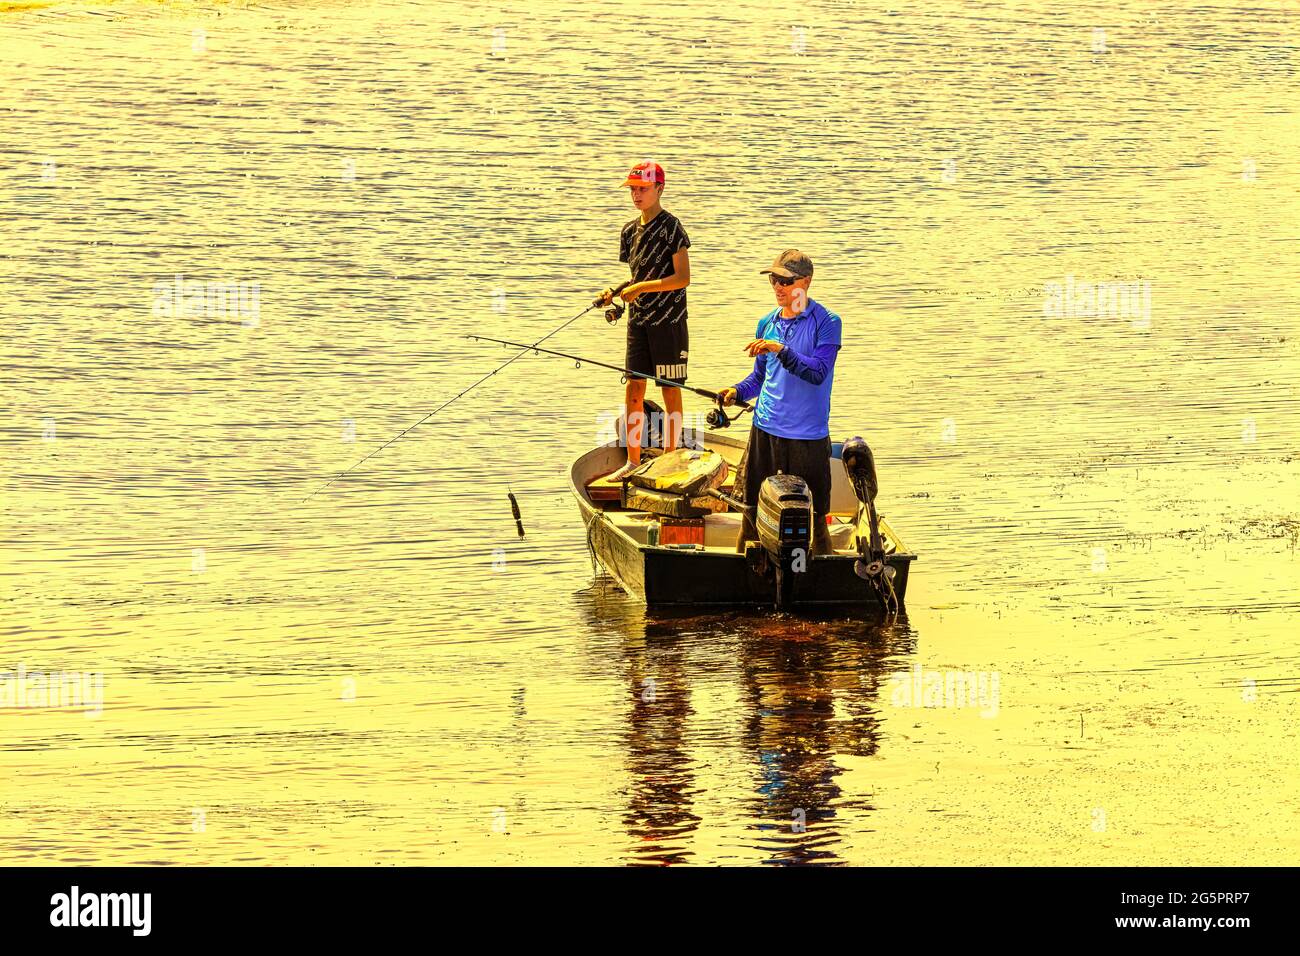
<point>616,309</point>
<point>717,416</point>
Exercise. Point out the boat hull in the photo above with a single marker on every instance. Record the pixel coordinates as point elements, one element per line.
<point>662,576</point>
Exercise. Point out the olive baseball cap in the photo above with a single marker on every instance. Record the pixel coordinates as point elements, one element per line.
<point>791,264</point>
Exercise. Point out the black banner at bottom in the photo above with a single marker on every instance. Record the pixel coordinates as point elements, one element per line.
<point>298,905</point>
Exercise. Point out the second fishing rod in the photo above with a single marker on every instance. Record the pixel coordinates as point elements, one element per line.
<point>717,417</point>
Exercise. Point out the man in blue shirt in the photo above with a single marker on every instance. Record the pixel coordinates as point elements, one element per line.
<point>794,353</point>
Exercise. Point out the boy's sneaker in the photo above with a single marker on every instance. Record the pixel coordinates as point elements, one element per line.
<point>625,471</point>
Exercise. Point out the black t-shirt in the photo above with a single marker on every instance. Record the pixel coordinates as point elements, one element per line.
<point>649,250</point>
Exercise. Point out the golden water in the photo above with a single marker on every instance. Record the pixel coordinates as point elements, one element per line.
<point>1103,496</point>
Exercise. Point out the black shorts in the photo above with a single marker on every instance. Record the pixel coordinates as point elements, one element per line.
<point>768,454</point>
<point>658,350</point>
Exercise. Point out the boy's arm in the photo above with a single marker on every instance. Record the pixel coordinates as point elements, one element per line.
<point>606,297</point>
<point>680,278</point>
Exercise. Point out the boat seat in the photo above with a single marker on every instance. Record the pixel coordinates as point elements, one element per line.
<point>671,505</point>
<point>603,489</point>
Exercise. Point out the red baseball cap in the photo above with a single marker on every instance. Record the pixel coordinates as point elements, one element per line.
<point>645,174</point>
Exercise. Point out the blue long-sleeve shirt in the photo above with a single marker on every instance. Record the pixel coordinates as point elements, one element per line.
<point>793,386</point>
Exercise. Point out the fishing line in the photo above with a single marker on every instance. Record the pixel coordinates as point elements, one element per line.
<point>522,353</point>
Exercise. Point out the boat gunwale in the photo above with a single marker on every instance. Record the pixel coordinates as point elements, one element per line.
<point>588,507</point>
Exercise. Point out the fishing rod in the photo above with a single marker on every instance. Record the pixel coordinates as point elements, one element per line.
<point>717,417</point>
<point>612,315</point>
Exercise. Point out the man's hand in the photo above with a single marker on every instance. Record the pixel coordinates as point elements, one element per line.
<point>630,293</point>
<point>605,298</point>
<point>727,396</point>
<point>758,346</point>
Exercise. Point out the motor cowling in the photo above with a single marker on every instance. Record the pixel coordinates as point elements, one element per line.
<point>785,519</point>
<point>860,468</point>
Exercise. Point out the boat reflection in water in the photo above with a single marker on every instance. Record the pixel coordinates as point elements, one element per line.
<point>737,723</point>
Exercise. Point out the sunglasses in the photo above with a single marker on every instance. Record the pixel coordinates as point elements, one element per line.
<point>779,280</point>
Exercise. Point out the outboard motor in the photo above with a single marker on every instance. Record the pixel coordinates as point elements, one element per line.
<point>785,525</point>
<point>860,467</point>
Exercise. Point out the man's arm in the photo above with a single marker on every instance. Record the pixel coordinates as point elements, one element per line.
<point>814,368</point>
<point>748,389</point>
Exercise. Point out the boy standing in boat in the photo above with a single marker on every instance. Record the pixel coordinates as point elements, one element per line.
<point>794,351</point>
<point>654,246</point>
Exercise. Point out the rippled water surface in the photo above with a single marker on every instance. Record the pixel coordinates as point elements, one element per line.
<point>1101,488</point>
